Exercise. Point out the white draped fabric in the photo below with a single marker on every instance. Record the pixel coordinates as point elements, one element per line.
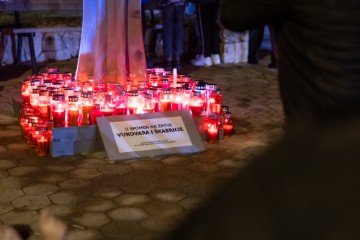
<point>111,47</point>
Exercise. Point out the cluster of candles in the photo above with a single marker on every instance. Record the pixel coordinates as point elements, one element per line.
<point>63,101</point>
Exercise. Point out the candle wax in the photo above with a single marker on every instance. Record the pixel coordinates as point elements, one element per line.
<point>59,118</point>
<point>213,135</point>
<point>73,117</point>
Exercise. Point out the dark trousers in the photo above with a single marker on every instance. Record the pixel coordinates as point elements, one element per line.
<point>256,36</point>
<point>208,15</point>
<point>173,30</point>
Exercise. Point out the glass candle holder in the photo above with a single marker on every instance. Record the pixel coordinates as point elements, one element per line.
<point>86,108</point>
<point>34,97</point>
<point>155,97</point>
<point>34,83</point>
<point>25,91</point>
<point>212,129</point>
<point>133,101</point>
<point>107,106</point>
<point>43,104</point>
<point>177,103</point>
<point>165,100</point>
<point>99,85</point>
<point>215,101</point>
<point>73,110</point>
<point>121,104</point>
<point>58,109</point>
<point>228,125</point>
<point>148,104</point>
<point>196,104</point>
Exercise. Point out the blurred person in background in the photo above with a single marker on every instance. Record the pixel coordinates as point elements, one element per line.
<point>173,17</point>
<point>208,15</point>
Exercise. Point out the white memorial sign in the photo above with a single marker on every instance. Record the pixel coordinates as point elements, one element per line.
<point>140,135</point>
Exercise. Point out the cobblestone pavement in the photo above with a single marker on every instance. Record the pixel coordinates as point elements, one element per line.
<point>134,199</point>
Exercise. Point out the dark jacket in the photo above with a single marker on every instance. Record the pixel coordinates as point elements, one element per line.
<point>319,65</point>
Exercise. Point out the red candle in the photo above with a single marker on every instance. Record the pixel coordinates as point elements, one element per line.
<point>59,117</point>
<point>213,134</point>
<point>228,130</point>
<point>73,117</point>
<point>106,111</point>
<point>165,105</point>
<point>42,145</point>
<point>196,110</point>
<point>120,110</point>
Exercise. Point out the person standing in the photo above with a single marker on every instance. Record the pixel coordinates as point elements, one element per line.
<point>173,17</point>
<point>319,53</point>
<point>208,13</point>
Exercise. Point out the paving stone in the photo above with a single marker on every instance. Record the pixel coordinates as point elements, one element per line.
<point>14,182</point>
<point>51,177</point>
<point>40,189</point>
<point>67,197</point>
<point>177,160</point>
<point>9,133</point>
<point>85,173</point>
<point>146,165</point>
<point>115,168</point>
<point>31,202</point>
<point>20,217</point>
<point>98,155</point>
<point>84,235</point>
<point>159,223</point>
<point>91,220</point>
<point>3,175</point>
<point>14,127</point>
<point>125,230</point>
<point>8,194</point>
<point>132,199</point>
<point>90,163</point>
<point>169,182</point>
<point>137,186</point>
<point>5,207</point>
<point>190,203</point>
<point>97,205</point>
<point>233,163</point>
<point>75,184</point>
<point>163,208</point>
<point>127,214</point>
<point>59,167</point>
<point>18,146</point>
<point>203,167</point>
<point>24,171</point>
<point>169,195</point>
<point>2,148</point>
<point>106,192</point>
<point>14,154</point>
<point>174,171</point>
<point>7,120</point>
<point>62,211</point>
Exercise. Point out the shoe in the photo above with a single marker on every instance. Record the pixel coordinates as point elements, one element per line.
<point>208,62</point>
<point>215,59</point>
<point>198,61</point>
<point>272,65</point>
<point>252,60</point>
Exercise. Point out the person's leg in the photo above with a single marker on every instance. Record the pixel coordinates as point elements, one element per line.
<point>205,19</point>
<point>255,39</point>
<point>274,52</point>
<point>215,33</point>
<point>178,34</point>
<point>167,34</point>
